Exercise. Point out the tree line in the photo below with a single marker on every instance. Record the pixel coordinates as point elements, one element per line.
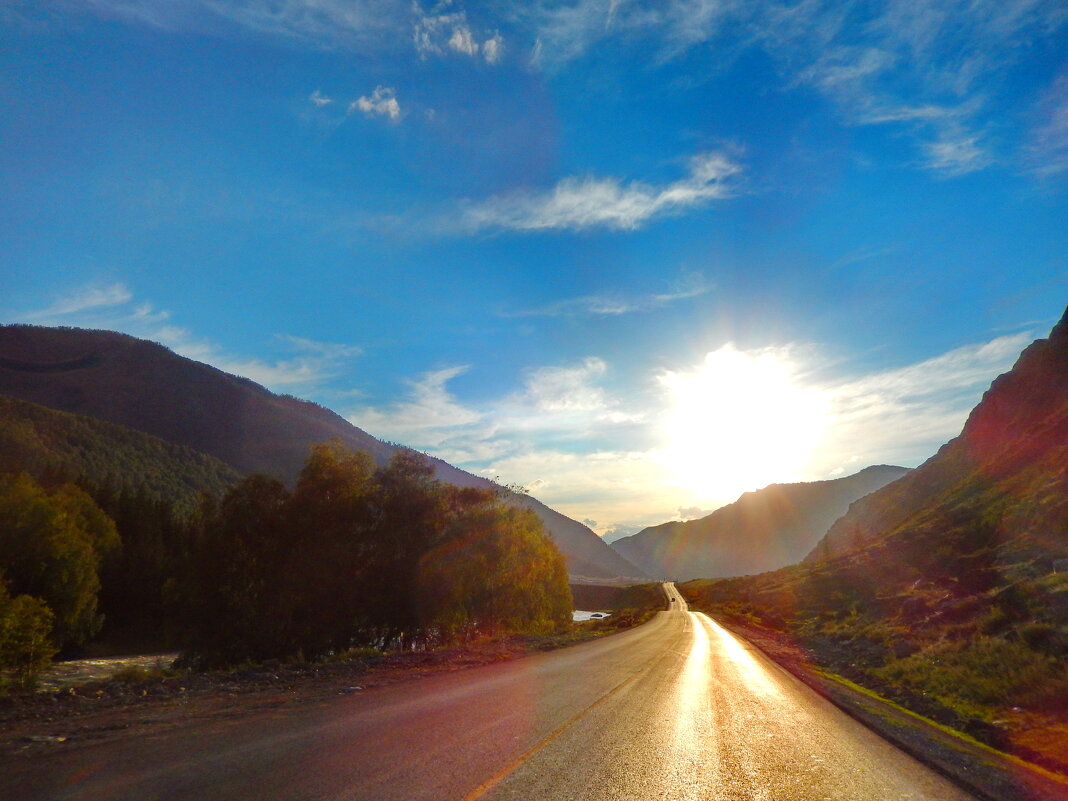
<point>354,554</point>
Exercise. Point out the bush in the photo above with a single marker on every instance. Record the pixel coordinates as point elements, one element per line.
<point>26,647</point>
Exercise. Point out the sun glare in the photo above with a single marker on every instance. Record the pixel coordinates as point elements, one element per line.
<point>740,421</point>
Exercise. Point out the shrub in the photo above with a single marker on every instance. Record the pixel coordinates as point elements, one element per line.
<point>26,647</point>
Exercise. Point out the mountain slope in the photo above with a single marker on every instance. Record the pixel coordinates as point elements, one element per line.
<point>146,387</point>
<point>761,531</point>
<point>1008,466</point>
<point>948,589</point>
<point>44,441</point>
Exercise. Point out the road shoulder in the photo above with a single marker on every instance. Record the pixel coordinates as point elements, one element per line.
<point>983,771</point>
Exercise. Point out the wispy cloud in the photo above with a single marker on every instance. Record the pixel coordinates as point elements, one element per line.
<point>689,285</point>
<point>1047,151</point>
<point>319,100</point>
<point>891,415</point>
<point>579,203</point>
<point>930,67</point>
<point>596,450</point>
<point>382,102</point>
<point>90,298</point>
<point>426,418</point>
<point>957,155</point>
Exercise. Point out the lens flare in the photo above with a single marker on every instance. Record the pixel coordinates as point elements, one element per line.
<point>740,421</point>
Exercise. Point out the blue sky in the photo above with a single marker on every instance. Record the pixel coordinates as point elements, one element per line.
<point>638,257</point>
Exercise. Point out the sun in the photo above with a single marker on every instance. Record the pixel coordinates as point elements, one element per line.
<point>740,421</point>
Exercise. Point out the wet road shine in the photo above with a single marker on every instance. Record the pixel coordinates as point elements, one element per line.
<point>676,709</point>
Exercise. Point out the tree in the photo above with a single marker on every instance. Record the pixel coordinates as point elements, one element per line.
<point>493,572</point>
<point>359,555</point>
<point>328,526</point>
<point>51,548</point>
<point>25,643</point>
<point>237,611</point>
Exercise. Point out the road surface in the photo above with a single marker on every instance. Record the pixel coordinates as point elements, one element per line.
<point>676,709</point>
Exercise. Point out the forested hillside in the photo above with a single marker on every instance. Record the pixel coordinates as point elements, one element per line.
<point>56,446</point>
<point>144,386</point>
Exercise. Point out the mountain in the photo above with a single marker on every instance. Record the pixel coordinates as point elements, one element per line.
<point>1008,468</point>
<point>144,386</point>
<point>947,590</point>
<point>46,442</point>
<point>762,530</point>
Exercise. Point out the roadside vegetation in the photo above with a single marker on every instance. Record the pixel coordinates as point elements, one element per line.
<point>984,652</point>
<point>355,556</point>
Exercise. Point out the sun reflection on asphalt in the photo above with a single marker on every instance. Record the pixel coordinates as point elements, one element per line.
<point>754,674</point>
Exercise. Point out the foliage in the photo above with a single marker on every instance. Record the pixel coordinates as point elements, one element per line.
<point>359,556</point>
<point>26,646</point>
<point>610,597</point>
<point>493,571</point>
<point>974,676</point>
<point>52,545</point>
<point>56,447</point>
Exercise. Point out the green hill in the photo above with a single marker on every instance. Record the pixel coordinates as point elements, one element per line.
<point>48,443</point>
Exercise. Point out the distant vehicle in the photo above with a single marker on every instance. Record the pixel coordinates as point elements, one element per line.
<point>598,615</point>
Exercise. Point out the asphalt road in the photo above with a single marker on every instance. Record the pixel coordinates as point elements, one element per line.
<point>675,709</point>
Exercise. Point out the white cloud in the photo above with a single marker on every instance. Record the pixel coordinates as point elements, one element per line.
<point>462,41</point>
<point>579,203</point>
<point>692,512</point>
<point>383,102</point>
<point>931,67</point>
<point>426,418</point>
<point>81,300</point>
<point>596,450</point>
<point>564,389</point>
<point>441,31</point>
<point>318,99</point>
<point>1047,151</point>
<point>326,24</point>
<point>957,155</point>
<point>330,350</point>
<point>493,49</point>
<point>897,414</point>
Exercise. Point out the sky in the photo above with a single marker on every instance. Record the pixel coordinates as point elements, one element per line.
<point>637,257</point>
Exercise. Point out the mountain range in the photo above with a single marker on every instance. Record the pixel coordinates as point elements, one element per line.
<point>763,530</point>
<point>143,386</point>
